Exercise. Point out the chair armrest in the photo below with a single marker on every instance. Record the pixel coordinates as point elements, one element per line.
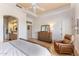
<point>56,43</point>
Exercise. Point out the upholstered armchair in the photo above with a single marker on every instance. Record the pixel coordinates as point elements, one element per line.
<point>65,46</point>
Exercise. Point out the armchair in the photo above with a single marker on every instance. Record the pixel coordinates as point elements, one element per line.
<point>64,46</point>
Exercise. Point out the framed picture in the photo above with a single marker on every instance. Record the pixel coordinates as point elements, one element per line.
<point>45,27</point>
<point>42,28</point>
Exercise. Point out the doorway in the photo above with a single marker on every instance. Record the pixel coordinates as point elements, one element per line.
<point>29,30</point>
<point>10,28</point>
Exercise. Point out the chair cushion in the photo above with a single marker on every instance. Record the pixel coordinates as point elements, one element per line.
<point>67,37</point>
<point>66,41</point>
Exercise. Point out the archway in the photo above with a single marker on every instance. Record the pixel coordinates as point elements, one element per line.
<point>10,28</point>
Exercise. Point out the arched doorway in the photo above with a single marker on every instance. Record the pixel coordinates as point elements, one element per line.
<point>10,28</point>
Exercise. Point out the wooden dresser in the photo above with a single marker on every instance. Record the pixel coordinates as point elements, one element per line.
<point>12,36</point>
<point>45,36</point>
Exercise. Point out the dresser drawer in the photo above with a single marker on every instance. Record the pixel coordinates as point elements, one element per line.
<point>45,36</point>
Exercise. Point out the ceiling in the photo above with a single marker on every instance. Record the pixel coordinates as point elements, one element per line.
<point>41,8</point>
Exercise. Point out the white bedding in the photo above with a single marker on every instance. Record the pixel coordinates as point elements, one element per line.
<point>22,48</point>
<point>6,49</point>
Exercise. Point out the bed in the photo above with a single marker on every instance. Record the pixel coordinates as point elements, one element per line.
<point>22,48</point>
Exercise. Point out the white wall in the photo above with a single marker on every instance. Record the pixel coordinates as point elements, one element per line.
<point>11,9</point>
<point>76,42</point>
<point>29,19</point>
<point>56,20</point>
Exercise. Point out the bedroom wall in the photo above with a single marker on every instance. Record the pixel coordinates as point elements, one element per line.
<point>57,19</point>
<point>76,42</point>
<point>29,19</point>
<point>11,9</point>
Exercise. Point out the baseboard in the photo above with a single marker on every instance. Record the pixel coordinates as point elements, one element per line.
<point>76,52</point>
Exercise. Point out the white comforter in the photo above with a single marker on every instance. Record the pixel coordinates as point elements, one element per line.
<point>6,49</point>
<point>22,48</point>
